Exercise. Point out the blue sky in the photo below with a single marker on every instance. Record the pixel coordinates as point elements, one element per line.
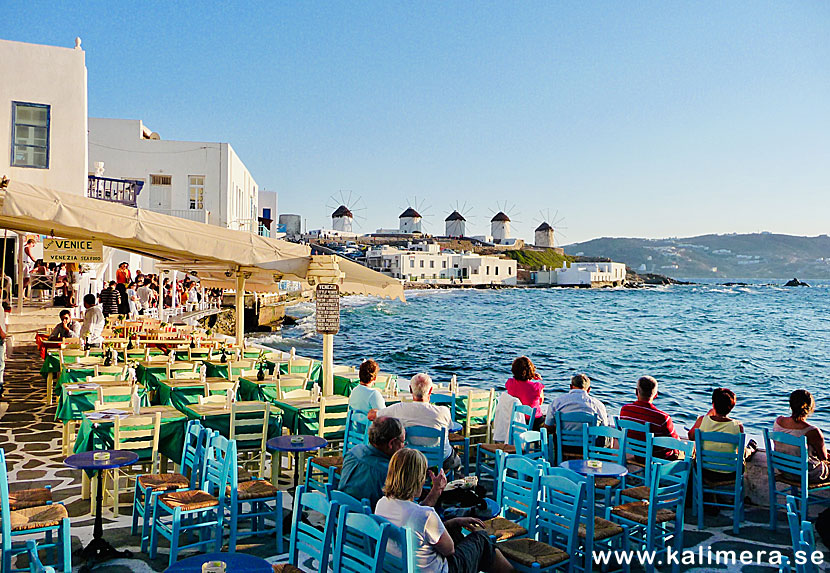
<point>628,119</point>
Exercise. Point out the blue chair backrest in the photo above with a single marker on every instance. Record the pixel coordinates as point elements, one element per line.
<point>518,488</point>
<point>306,538</point>
<point>716,460</point>
<point>444,400</point>
<point>400,551</point>
<point>598,443</point>
<point>343,499</point>
<point>802,536</point>
<point>428,441</point>
<point>557,521</point>
<point>656,445</point>
<point>668,487</point>
<point>193,453</point>
<point>357,430</point>
<point>360,543</point>
<point>5,510</point>
<point>35,565</point>
<point>588,511</point>
<point>525,423</point>
<point>569,432</point>
<point>635,437</point>
<point>786,453</point>
<point>220,468</point>
<point>533,445</point>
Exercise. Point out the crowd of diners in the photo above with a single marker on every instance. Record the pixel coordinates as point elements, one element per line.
<point>392,476</point>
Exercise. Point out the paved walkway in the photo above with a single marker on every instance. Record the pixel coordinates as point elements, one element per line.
<point>31,439</point>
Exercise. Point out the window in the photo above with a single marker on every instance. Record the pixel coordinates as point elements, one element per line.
<point>266,212</point>
<point>443,264</point>
<point>432,264</point>
<point>30,128</point>
<point>509,270</point>
<point>487,272</point>
<point>411,263</point>
<point>161,179</point>
<point>422,263</point>
<point>497,271</point>
<point>196,185</point>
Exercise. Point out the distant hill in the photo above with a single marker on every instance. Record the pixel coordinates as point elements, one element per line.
<point>757,255</point>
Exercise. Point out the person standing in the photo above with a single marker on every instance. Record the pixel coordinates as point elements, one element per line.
<point>94,322</point>
<point>110,300</point>
<point>122,275</point>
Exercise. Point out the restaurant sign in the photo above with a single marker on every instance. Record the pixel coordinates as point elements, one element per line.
<point>73,251</point>
<point>328,308</point>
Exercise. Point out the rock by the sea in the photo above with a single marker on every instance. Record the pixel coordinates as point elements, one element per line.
<point>795,283</point>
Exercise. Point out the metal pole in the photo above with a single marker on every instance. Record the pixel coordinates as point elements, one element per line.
<point>328,364</point>
<point>240,308</point>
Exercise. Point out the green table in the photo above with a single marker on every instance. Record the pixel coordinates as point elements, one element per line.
<point>220,370</point>
<point>343,385</point>
<point>181,393</point>
<point>99,435</point>
<point>316,370</point>
<point>216,417</point>
<point>149,376</point>
<point>72,406</point>
<point>301,416</point>
<point>265,391</point>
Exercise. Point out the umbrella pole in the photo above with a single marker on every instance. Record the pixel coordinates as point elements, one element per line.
<point>328,364</point>
<point>240,308</point>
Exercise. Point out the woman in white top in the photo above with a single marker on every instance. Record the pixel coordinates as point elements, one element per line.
<point>801,406</point>
<point>438,551</point>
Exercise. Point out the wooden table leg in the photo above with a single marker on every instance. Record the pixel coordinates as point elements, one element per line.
<point>50,381</point>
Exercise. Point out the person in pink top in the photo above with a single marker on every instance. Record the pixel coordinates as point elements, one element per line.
<point>526,385</point>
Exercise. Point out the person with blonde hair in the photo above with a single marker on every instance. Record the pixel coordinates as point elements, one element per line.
<point>441,546</point>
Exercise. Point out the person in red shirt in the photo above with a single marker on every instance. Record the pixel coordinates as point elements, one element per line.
<point>122,275</point>
<point>526,385</point>
<point>644,412</point>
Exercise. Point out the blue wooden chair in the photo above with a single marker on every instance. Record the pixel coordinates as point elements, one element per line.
<point>307,538</point>
<point>359,543</point>
<point>593,530</point>
<point>43,519</point>
<point>659,444</point>
<point>533,445</point>
<point>569,434</point>
<point>149,485</point>
<point>635,451</point>
<point>343,499</point>
<point>428,441</point>
<point>517,493</point>
<point>400,552</point>
<point>786,467</point>
<point>557,526</point>
<point>604,444</point>
<point>255,500</point>
<point>444,400</point>
<point>658,520</point>
<point>486,457</point>
<point>719,472</point>
<point>201,510</point>
<point>802,538</point>
<point>35,565</point>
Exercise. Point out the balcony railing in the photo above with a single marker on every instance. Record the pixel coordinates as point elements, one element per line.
<point>122,191</point>
<point>198,215</point>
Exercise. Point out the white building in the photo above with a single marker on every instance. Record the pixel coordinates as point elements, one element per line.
<point>426,263</point>
<point>582,274</point>
<point>455,224</point>
<point>341,219</point>
<point>43,115</point>
<point>543,236</point>
<point>409,221</point>
<point>500,227</point>
<point>267,202</point>
<point>200,181</point>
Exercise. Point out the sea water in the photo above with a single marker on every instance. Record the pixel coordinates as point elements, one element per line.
<point>762,341</point>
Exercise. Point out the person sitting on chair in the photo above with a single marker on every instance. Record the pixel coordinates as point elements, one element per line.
<point>66,328</point>
<point>363,397</point>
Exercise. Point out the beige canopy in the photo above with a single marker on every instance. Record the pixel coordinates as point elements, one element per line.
<point>214,253</point>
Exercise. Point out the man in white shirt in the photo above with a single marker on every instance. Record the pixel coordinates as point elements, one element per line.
<point>420,412</point>
<point>93,324</point>
<point>577,399</point>
<point>145,295</point>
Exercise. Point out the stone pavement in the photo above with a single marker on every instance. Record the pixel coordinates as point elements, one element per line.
<point>31,439</point>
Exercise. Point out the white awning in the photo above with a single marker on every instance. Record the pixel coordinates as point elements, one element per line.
<point>214,253</point>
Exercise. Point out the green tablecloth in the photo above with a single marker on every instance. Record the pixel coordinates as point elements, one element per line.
<point>99,435</point>
<point>303,421</point>
<point>52,362</point>
<point>344,386</point>
<point>72,406</point>
<point>179,397</point>
<point>149,376</point>
<point>70,376</point>
<point>222,423</point>
<point>265,391</point>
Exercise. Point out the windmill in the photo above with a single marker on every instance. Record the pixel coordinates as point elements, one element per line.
<point>500,223</point>
<point>455,225</point>
<point>548,229</point>
<point>411,220</point>
<point>345,207</point>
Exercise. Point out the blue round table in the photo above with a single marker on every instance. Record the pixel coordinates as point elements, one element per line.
<point>99,550</point>
<point>234,562</point>
<point>287,444</point>
<point>455,427</point>
<point>607,469</point>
